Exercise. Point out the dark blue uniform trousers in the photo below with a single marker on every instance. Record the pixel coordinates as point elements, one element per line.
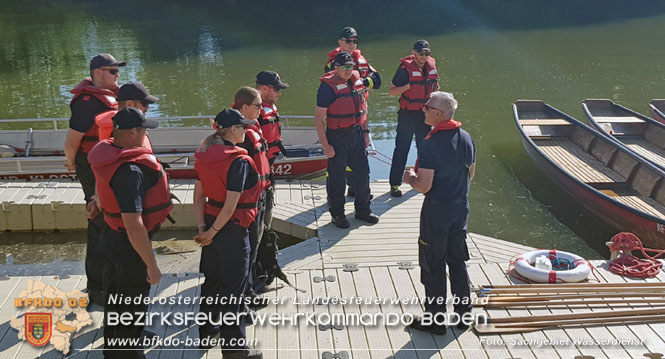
<point>443,242</point>
<point>225,264</point>
<point>350,149</point>
<point>255,234</point>
<point>409,123</point>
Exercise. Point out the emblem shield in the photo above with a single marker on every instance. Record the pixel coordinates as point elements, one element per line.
<point>38,328</point>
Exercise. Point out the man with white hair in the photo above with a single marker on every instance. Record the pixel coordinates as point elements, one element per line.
<point>445,166</point>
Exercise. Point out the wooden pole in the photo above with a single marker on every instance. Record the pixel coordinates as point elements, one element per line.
<point>574,316</point>
<point>634,288</point>
<point>626,302</point>
<point>528,298</point>
<point>532,327</point>
<point>572,285</point>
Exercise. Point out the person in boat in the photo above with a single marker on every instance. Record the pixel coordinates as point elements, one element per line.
<point>228,178</point>
<point>348,42</point>
<point>415,79</point>
<point>340,101</point>
<point>131,94</point>
<point>92,97</point>
<point>444,169</point>
<point>247,101</point>
<point>133,192</point>
<point>270,86</point>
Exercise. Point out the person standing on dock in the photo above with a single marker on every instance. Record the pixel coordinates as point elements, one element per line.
<point>92,96</point>
<point>133,192</point>
<point>348,42</point>
<point>228,178</point>
<point>415,79</point>
<point>445,167</point>
<point>340,101</point>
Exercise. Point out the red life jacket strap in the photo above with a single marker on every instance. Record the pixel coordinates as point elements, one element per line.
<point>148,210</point>
<point>219,204</point>
<point>90,139</point>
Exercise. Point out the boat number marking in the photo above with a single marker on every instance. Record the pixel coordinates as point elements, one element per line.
<point>283,169</point>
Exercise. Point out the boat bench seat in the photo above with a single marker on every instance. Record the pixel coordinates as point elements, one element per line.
<point>544,122</point>
<point>577,162</point>
<point>617,119</point>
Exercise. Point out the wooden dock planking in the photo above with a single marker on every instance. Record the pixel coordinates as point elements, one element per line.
<point>288,341</point>
<point>341,339</point>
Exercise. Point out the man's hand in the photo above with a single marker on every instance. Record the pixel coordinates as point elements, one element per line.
<point>366,138</point>
<point>329,151</point>
<point>407,175</point>
<point>205,238</point>
<point>71,166</point>
<point>92,210</point>
<point>154,275</point>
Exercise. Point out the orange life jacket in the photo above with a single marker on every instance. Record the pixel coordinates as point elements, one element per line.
<point>212,168</point>
<point>84,90</point>
<point>271,128</point>
<point>260,157</point>
<point>105,158</point>
<point>422,84</point>
<point>349,107</point>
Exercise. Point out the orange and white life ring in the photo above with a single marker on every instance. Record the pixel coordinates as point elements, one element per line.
<point>523,266</point>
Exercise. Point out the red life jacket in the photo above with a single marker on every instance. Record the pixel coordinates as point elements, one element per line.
<point>260,157</point>
<point>85,89</point>
<point>271,128</point>
<point>104,122</point>
<point>349,107</point>
<point>362,66</point>
<point>105,158</point>
<point>212,167</point>
<point>422,84</point>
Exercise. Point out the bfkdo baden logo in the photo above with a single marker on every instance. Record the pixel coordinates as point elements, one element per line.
<point>38,328</point>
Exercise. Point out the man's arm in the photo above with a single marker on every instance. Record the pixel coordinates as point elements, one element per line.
<point>230,204</point>
<point>199,205</point>
<point>472,171</point>
<point>138,237</point>
<point>421,181</point>
<point>72,143</point>
<point>397,90</point>
<point>319,116</point>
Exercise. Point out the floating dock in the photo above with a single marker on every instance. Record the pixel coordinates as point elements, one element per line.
<point>366,261</point>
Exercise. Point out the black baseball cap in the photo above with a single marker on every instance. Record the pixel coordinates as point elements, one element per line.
<point>130,117</point>
<point>231,117</point>
<point>270,78</point>
<point>103,60</point>
<point>135,91</point>
<point>421,45</point>
<point>343,58</point>
<point>348,32</point>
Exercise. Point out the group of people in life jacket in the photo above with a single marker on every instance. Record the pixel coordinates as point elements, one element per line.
<point>128,198</point>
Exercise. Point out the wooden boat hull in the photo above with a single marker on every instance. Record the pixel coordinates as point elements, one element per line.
<point>657,110</point>
<point>650,229</point>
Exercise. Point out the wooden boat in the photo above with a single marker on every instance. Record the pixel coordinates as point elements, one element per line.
<point>39,154</point>
<point>657,110</point>
<point>608,179</point>
<point>641,134</point>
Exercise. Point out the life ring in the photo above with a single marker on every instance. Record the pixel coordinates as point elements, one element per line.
<point>578,273</point>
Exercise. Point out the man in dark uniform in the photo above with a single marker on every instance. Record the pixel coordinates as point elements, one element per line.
<point>348,42</point>
<point>133,191</point>
<point>415,78</point>
<point>446,164</point>
<point>92,97</point>
<point>340,101</point>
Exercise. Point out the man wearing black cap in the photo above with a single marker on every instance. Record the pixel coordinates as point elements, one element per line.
<point>348,42</point>
<point>133,191</point>
<point>92,96</point>
<point>131,94</point>
<point>341,103</point>
<point>415,79</point>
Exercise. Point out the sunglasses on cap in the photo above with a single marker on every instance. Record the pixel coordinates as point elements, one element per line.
<point>347,67</point>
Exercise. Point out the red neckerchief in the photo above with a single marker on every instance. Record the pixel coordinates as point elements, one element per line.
<point>442,126</point>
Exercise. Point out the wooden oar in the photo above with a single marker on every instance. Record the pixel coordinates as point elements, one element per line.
<point>532,327</point>
<point>528,298</point>
<point>572,285</point>
<point>627,302</point>
<point>571,290</point>
<point>572,316</point>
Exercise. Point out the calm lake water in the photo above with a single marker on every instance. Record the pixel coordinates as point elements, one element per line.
<point>489,53</point>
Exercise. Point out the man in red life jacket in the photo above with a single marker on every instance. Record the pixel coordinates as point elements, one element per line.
<point>415,79</point>
<point>92,96</point>
<point>133,191</point>
<point>131,94</point>
<point>348,42</point>
<point>445,167</point>
<point>340,101</point>
<point>270,86</point>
